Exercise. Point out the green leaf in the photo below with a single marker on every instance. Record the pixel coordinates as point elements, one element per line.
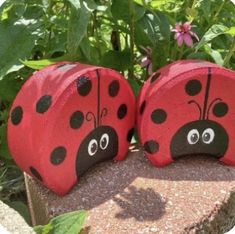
<point>16,42</point>
<point>126,10</point>
<point>86,48</point>
<point>135,86</point>
<point>213,32</point>
<point>205,6</point>
<point>39,64</point>
<point>88,4</point>
<point>152,28</point>
<point>192,13</point>
<point>199,55</point>
<point>141,37</point>
<point>79,20</point>
<point>4,150</point>
<point>159,55</point>
<point>214,54</point>
<point>9,88</point>
<point>75,3</point>
<point>231,31</point>
<point>69,223</point>
<point>164,24</point>
<point>118,60</point>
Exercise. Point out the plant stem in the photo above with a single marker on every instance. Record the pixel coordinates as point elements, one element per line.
<point>181,52</point>
<point>219,10</point>
<point>131,70</point>
<point>230,53</point>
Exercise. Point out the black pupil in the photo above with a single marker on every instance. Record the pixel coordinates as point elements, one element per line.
<point>194,137</point>
<point>93,147</point>
<point>103,142</point>
<point>206,137</point>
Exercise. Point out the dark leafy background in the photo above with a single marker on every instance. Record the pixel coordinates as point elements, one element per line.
<point>111,33</point>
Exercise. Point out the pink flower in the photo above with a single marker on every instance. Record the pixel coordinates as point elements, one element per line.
<point>184,34</point>
<point>146,61</point>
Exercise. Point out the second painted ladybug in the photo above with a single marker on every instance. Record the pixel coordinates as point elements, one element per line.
<point>68,117</point>
<point>188,108</point>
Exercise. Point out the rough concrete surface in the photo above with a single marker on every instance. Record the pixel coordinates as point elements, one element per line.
<point>12,222</point>
<point>192,195</point>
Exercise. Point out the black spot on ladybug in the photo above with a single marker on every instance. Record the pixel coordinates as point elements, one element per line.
<point>17,115</point>
<point>158,116</point>
<point>76,120</point>
<point>220,109</point>
<point>43,104</point>
<point>200,137</point>
<point>151,147</point>
<point>114,87</point>
<point>84,85</point>
<point>130,134</point>
<point>155,77</point>
<point>58,155</point>
<point>99,145</point>
<point>142,107</point>
<point>193,87</point>
<point>122,111</point>
<point>36,173</point>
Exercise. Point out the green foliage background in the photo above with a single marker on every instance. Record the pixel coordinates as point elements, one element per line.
<point>111,33</point>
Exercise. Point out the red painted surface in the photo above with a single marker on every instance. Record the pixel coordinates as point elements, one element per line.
<point>45,137</point>
<point>213,93</point>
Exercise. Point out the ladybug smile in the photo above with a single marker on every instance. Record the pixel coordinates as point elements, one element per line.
<point>202,136</point>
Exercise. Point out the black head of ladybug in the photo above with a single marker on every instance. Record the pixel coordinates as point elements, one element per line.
<point>202,136</point>
<point>101,143</point>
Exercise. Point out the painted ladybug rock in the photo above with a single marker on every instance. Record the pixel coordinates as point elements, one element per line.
<point>188,108</point>
<point>68,117</point>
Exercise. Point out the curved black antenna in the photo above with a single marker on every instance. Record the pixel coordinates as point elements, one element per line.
<point>211,104</point>
<point>208,84</point>
<point>199,108</point>
<point>89,116</point>
<point>104,112</point>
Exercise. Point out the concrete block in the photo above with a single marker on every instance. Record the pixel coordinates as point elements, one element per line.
<point>193,195</point>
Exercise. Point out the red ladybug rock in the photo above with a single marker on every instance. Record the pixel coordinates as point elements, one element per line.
<point>68,117</point>
<point>187,108</point>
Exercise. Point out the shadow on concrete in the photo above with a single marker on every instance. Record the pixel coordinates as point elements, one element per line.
<point>141,204</point>
<point>115,180</point>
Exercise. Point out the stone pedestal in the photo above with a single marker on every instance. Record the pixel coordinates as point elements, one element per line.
<point>11,222</point>
<point>193,195</point>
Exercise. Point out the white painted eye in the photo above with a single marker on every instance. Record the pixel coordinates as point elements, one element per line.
<point>104,141</point>
<point>193,136</point>
<point>92,147</point>
<point>208,136</point>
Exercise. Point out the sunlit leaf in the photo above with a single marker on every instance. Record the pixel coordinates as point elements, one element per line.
<point>39,64</point>
<point>231,31</point>
<point>215,31</point>
<point>70,223</point>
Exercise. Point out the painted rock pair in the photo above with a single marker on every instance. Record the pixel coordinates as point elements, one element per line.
<point>70,116</point>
